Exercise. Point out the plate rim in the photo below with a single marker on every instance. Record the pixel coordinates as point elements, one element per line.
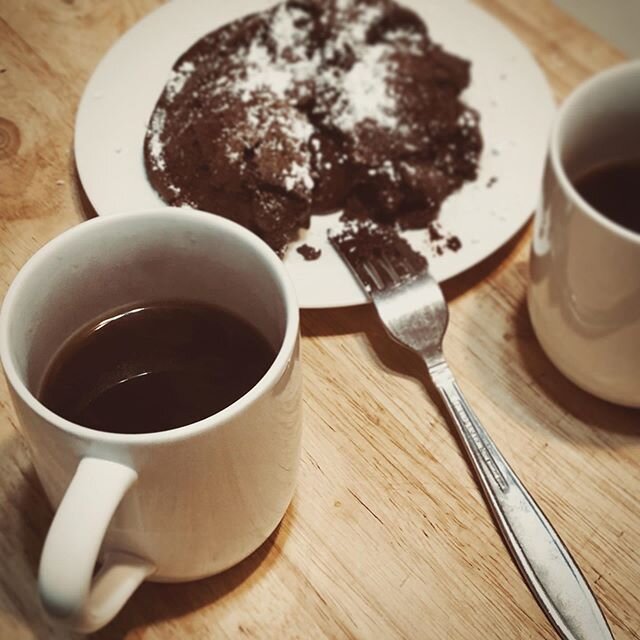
<point>513,224</point>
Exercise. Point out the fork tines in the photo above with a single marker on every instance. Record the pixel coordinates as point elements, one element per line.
<point>378,257</point>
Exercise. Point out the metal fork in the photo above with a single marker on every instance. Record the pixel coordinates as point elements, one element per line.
<point>414,312</point>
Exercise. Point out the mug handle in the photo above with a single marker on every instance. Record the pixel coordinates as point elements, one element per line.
<point>67,588</point>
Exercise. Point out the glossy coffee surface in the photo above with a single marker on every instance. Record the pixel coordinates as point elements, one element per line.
<point>613,189</point>
<point>156,367</point>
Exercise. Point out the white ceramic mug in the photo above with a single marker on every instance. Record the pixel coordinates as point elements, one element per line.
<point>173,505</point>
<point>584,294</point>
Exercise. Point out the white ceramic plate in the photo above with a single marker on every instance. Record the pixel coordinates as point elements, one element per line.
<point>508,89</point>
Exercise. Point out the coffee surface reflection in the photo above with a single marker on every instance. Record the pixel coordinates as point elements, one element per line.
<point>155,367</point>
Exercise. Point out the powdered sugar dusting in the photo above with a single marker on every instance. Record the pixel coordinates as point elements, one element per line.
<point>178,79</point>
<point>298,174</point>
<point>358,19</point>
<point>156,146</point>
<point>274,66</point>
<point>278,62</point>
<point>278,68</point>
<point>365,91</point>
<point>367,95</point>
<point>262,75</point>
<point>310,106</point>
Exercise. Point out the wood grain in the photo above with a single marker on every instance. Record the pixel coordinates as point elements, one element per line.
<point>387,536</point>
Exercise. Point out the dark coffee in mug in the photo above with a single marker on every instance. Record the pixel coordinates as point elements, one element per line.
<point>613,189</point>
<point>155,367</point>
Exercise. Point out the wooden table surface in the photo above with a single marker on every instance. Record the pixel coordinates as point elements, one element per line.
<point>387,536</point>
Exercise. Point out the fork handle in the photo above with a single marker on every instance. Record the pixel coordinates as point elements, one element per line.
<point>551,573</point>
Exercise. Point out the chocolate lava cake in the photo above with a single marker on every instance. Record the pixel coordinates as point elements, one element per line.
<point>310,107</point>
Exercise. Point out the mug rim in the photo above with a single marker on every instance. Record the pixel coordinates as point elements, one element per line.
<point>630,67</point>
<point>268,380</point>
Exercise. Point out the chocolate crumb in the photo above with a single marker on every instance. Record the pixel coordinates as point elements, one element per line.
<point>363,243</point>
<point>491,182</point>
<point>453,243</point>
<point>308,252</point>
<point>441,241</point>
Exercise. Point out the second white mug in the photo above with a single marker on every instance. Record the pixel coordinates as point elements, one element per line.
<point>584,293</point>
